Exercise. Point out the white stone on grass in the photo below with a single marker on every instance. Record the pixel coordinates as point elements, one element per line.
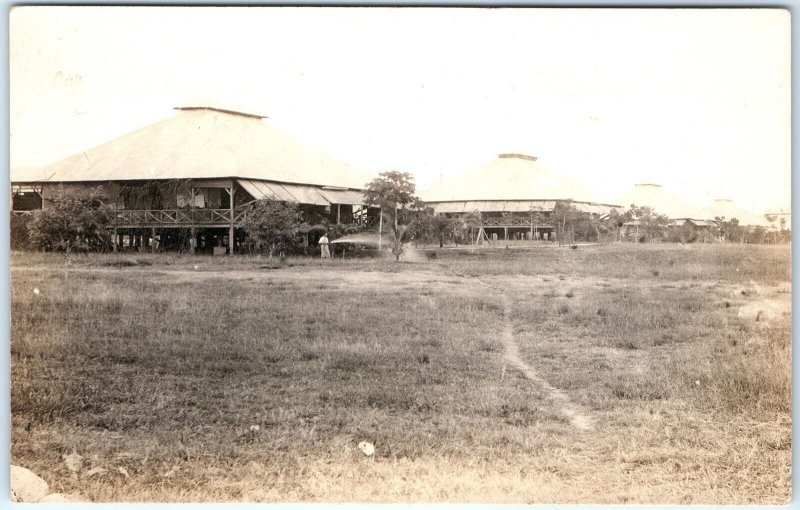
<point>26,486</point>
<point>367,448</point>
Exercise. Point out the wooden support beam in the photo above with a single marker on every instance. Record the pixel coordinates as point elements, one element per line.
<point>153,247</point>
<point>193,233</point>
<point>231,232</point>
<point>532,238</point>
<point>116,240</point>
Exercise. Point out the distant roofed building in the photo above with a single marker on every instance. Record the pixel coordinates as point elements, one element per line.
<point>512,195</point>
<point>662,202</point>
<point>779,220</point>
<point>726,209</point>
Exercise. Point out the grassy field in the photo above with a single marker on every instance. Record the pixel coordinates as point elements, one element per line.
<point>603,374</point>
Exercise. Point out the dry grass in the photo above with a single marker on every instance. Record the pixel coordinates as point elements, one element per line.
<point>162,370</point>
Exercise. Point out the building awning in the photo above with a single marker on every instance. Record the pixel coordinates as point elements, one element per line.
<point>299,193</point>
<point>343,196</point>
<point>305,194</point>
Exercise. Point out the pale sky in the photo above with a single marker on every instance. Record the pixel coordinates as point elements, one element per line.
<point>695,100</point>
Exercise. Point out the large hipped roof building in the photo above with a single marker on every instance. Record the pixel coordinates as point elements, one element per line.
<point>225,158</point>
<point>203,142</point>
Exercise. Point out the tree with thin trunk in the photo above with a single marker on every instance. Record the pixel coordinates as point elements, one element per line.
<point>565,216</point>
<point>393,192</point>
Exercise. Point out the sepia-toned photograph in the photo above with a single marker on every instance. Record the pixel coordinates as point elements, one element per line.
<point>400,255</point>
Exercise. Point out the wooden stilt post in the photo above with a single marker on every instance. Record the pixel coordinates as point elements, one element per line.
<point>532,227</point>
<point>153,246</point>
<point>193,238</point>
<point>338,214</point>
<point>380,229</point>
<point>116,218</point>
<point>231,232</point>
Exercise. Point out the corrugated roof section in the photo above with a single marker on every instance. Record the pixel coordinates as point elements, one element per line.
<point>305,194</point>
<point>518,206</point>
<point>337,196</point>
<point>258,190</point>
<point>284,192</point>
<point>448,207</point>
<point>29,174</point>
<point>204,144</point>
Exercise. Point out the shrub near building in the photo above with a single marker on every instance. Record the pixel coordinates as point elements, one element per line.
<point>72,223</point>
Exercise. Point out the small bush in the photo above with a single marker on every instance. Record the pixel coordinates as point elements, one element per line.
<point>73,222</point>
<point>20,238</point>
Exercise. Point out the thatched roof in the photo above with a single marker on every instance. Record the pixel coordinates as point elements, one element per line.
<point>508,177</point>
<point>662,202</point>
<point>725,208</point>
<point>203,142</point>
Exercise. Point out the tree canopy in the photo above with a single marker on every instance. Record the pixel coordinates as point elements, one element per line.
<point>652,224</point>
<point>394,192</point>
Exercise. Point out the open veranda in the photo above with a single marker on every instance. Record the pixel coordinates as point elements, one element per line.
<point>603,374</point>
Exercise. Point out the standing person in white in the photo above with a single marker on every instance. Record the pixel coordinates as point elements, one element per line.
<point>323,244</point>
